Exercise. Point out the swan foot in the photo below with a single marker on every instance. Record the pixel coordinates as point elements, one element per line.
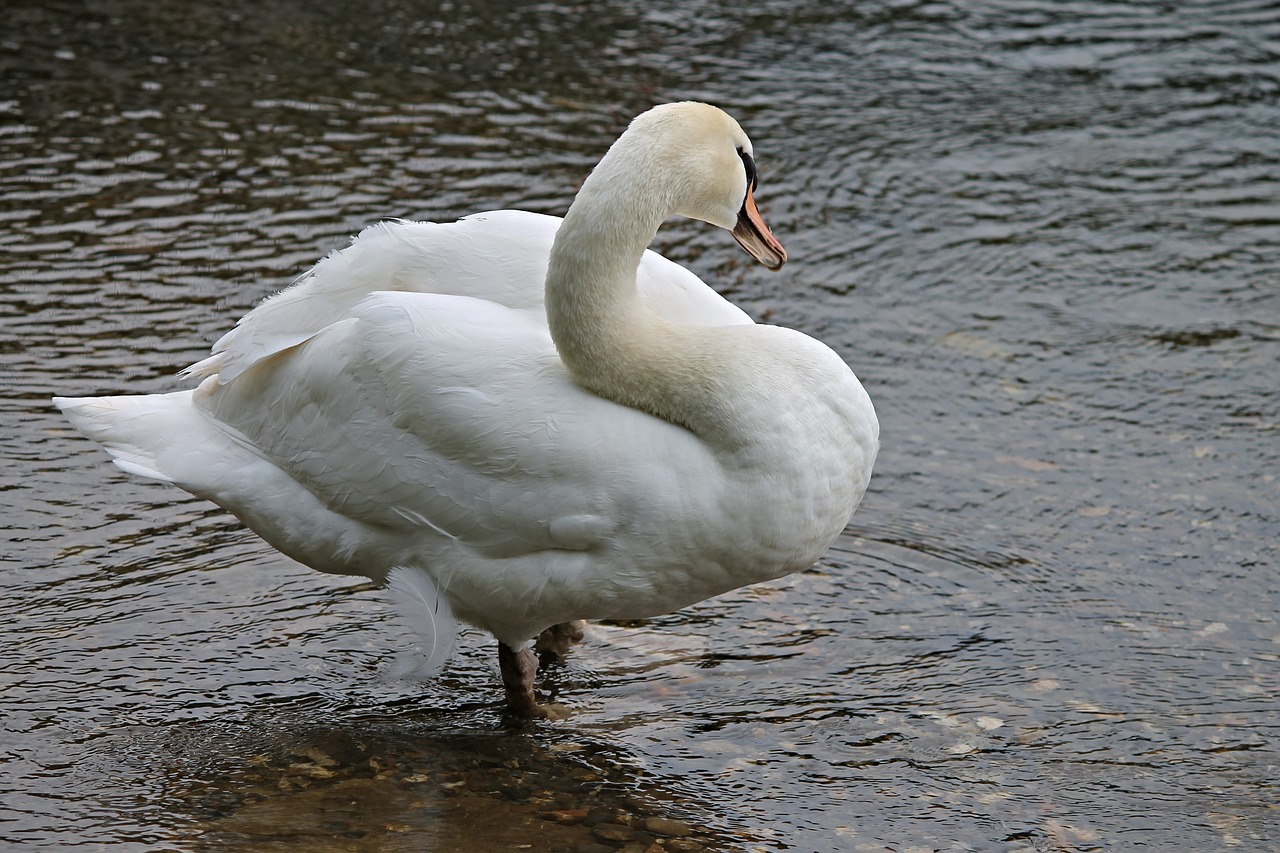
<point>518,671</point>
<point>555,642</point>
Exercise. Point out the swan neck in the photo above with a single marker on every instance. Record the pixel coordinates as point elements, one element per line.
<point>610,342</point>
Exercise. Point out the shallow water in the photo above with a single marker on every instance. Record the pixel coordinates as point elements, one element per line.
<point>1045,235</point>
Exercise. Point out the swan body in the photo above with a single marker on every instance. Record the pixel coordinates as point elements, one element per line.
<point>545,420</point>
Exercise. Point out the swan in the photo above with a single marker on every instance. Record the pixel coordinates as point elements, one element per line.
<point>525,422</point>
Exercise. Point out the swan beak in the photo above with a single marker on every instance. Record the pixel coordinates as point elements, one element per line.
<point>754,236</point>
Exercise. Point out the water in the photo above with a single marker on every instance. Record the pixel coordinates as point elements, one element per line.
<point>1046,237</point>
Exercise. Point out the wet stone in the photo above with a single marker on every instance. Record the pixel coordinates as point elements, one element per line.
<point>597,816</point>
<point>668,827</point>
<point>613,832</point>
<point>641,847</point>
<point>517,793</point>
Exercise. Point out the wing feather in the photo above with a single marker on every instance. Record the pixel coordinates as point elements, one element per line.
<point>453,415</point>
<point>499,256</point>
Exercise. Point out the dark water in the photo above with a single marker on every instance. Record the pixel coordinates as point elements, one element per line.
<point>1046,235</point>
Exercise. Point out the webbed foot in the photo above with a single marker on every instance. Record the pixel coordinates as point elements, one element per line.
<point>556,641</point>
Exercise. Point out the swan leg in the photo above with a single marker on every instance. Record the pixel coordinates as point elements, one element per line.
<point>557,640</point>
<point>518,669</point>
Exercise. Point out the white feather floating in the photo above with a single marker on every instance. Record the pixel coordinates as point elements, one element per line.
<point>419,602</point>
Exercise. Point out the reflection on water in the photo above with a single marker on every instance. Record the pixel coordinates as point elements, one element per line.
<point>413,781</point>
<point>1045,237</point>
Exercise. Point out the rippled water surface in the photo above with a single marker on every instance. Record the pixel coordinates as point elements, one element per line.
<point>1046,235</point>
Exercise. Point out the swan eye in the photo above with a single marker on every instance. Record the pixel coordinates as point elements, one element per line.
<point>749,164</point>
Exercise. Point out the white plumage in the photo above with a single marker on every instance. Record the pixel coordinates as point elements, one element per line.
<point>422,606</point>
<point>420,400</point>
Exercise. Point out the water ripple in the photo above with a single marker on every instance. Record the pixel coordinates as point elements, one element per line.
<point>1043,234</point>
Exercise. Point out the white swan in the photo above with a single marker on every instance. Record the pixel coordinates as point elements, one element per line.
<point>628,444</point>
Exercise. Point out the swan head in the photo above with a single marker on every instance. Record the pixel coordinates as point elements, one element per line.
<point>701,164</point>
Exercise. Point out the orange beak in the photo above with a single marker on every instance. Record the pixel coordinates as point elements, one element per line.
<point>754,236</point>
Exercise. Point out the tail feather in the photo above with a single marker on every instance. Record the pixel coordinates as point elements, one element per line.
<point>420,603</point>
<point>167,437</point>
<point>138,431</point>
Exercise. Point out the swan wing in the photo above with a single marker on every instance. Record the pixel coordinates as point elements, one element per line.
<point>499,256</point>
<point>453,417</point>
